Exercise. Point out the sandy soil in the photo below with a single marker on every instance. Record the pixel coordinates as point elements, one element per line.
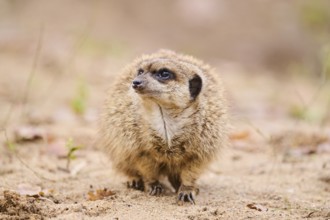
<point>275,168</point>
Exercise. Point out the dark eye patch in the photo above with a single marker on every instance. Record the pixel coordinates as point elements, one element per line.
<point>164,74</point>
<point>195,86</point>
<point>140,71</point>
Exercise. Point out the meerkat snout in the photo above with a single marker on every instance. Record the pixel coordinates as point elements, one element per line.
<point>137,84</point>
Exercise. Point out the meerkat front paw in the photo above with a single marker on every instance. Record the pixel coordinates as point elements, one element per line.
<point>187,194</point>
<point>156,189</point>
<point>136,184</point>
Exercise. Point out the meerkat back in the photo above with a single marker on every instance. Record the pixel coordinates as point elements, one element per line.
<point>166,115</point>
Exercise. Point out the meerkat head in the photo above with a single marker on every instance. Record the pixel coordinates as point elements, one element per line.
<point>168,79</point>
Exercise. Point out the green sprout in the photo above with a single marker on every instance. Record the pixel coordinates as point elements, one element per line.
<point>10,144</point>
<point>72,149</point>
<point>298,112</point>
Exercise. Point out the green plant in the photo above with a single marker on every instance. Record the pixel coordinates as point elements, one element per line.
<point>72,149</point>
<point>297,112</point>
<point>316,15</point>
<point>325,62</point>
<point>10,144</point>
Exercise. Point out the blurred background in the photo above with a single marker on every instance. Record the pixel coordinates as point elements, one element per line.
<point>58,57</point>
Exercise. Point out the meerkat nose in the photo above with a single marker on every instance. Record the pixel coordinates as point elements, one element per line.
<point>137,84</point>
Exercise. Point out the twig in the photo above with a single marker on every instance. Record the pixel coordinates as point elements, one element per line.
<point>23,162</point>
<point>7,117</point>
<point>327,114</point>
<point>323,81</point>
<point>256,129</point>
<point>33,71</point>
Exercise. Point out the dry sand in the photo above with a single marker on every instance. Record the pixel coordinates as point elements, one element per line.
<point>275,168</point>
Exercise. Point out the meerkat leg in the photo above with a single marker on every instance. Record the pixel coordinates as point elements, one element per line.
<point>135,180</point>
<point>175,181</point>
<point>150,176</point>
<point>154,187</point>
<point>188,191</point>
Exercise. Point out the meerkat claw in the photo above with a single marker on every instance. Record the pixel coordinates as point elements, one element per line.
<point>186,197</point>
<point>187,194</point>
<point>191,198</point>
<point>136,184</point>
<point>156,189</point>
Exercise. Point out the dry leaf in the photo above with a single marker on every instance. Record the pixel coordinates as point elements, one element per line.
<point>99,194</point>
<point>325,179</point>
<point>257,206</point>
<point>28,133</point>
<point>241,135</point>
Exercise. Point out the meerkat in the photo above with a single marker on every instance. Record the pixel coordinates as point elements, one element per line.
<point>166,116</point>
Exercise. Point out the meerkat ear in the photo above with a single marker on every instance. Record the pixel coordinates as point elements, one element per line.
<point>195,86</point>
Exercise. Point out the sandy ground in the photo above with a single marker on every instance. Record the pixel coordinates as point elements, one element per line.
<point>275,168</point>
<point>279,190</point>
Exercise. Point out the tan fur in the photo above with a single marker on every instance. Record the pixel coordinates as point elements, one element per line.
<point>164,132</point>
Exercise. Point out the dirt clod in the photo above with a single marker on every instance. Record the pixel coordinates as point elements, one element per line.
<point>14,205</point>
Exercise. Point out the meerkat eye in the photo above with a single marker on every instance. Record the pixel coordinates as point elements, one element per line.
<point>140,71</point>
<point>164,74</point>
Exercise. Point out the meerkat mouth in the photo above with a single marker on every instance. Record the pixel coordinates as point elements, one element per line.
<point>140,91</point>
<point>146,92</point>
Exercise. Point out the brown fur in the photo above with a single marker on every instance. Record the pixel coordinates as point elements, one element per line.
<point>164,131</point>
